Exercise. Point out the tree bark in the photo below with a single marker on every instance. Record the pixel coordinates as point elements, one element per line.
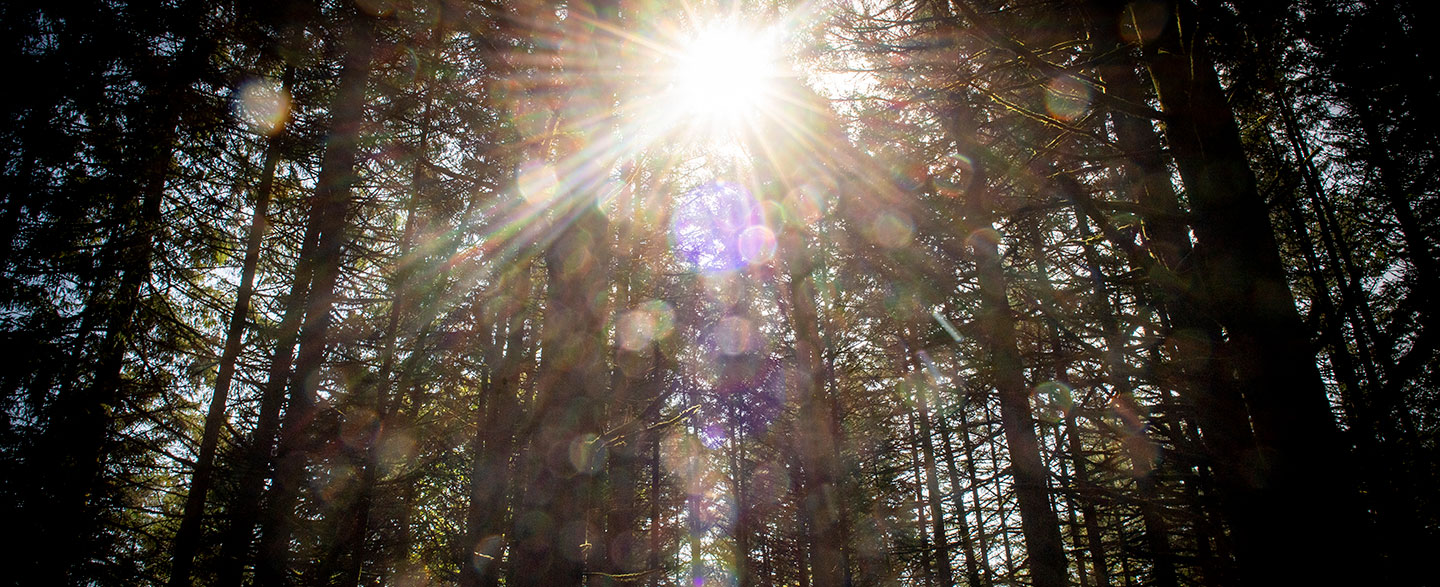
<point>967,541</point>
<point>493,447</point>
<point>187,538</point>
<point>1274,491</point>
<point>996,326</point>
<point>332,202</point>
<point>944,573</point>
<point>1133,433</point>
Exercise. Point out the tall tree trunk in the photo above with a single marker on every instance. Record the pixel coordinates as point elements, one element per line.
<point>565,415</point>
<point>1369,408</point>
<point>1066,430</point>
<point>187,538</point>
<point>332,202</point>
<point>1278,488</point>
<point>72,449</point>
<point>739,472</point>
<point>1087,490</point>
<point>982,540</point>
<point>551,514</point>
<point>1187,292</point>
<point>614,555</point>
<point>996,326</point>
<point>652,561</point>
<point>349,547</point>
<point>493,448</point>
<point>1140,449</point>
<point>817,448</point>
<point>926,576</point>
<point>944,573</point>
<point>256,461</point>
<point>802,549</point>
<point>967,541</point>
<point>818,440</point>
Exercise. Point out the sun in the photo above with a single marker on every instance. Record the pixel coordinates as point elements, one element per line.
<point>724,75</point>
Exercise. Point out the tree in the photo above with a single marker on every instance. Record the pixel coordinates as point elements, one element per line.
<point>752,293</point>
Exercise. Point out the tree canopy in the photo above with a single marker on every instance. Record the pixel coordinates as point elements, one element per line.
<point>744,292</point>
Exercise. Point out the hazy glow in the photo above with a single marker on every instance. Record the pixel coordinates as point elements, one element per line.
<point>536,181</point>
<point>1067,98</point>
<point>650,322</point>
<point>263,105</point>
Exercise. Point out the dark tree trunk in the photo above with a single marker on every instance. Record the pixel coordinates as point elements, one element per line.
<point>73,448</point>
<point>1141,450</point>
<point>560,469</point>
<point>739,472</point>
<point>256,461</point>
<point>817,446</point>
<point>493,448</point>
<point>652,560</point>
<point>350,548</point>
<point>967,541</point>
<point>996,326</point>
<point>332,202</point>
<point>944,573</point>
<point>982,540</point>
<point>566,413</point>
<point>187,538</point>
<point>926,576</point>
<point>817,442</point>
<point>1274,490</point>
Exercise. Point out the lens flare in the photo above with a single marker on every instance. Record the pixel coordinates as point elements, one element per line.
<point>713,436</point>
<point>735,335</point>
<point>806,205</point>
<point>536,181</point>
<point>263,105</point>
<point>1142,22</point>
<point>720,226</point>
<point>891,230</point>
<point>757,245</point>
<point>587,454</point>
<point>1053,401</point>
<point>1067,98</point>
<point>649,322</point>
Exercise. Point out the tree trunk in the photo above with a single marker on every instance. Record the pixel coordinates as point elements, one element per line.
<point>944,574</point>
<point>1274,494</point>
<point>332,202</point>
<point>653,553</point>
<point>967,542</point>
<point>817,435</point>
<point>256,460</point>
<point>996,327</point>
<point>349,547</point>
<point>982,541</point>
<point>560,470</point>
<point>493,448</point>
<point>739,472</point>
<point>566,415</point>
<point>187,538</point>
<point>926,575</point>
<point>72,450</point>
<point>1134,439</point>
